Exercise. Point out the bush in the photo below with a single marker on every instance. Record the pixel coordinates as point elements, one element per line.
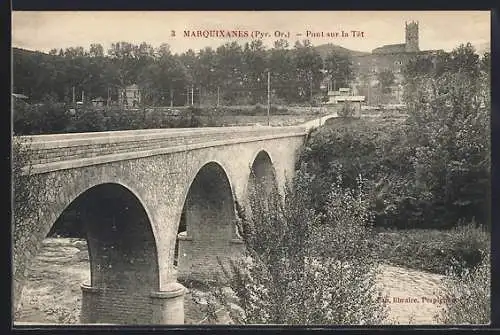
<point>286,278</point>
<point>351,147</point>
<point>411,185</point>
<point>44,118</point>
<point>87,120</point>
<point>467,295</point>
<point>456,249</point>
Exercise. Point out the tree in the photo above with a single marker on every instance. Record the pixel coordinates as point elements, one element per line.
<point>284,81</point>
<point>96,50</point>
<point>339,68</point>
<point>164,75</point>
<point>449,131</point>
<point>228,70</point>
<point>254,65</point>
<point>386,79</point>
<point>296,270</point>
<point>308,64</point>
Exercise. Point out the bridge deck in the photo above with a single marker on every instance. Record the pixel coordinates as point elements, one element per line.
<point>60,151</point>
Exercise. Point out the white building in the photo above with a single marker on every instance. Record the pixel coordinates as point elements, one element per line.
<point>130,96</point>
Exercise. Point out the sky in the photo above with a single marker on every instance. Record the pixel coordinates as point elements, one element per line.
<point>45,30</point>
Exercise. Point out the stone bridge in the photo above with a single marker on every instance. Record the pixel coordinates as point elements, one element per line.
<point>138,192</point>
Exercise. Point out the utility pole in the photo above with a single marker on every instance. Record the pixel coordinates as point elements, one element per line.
<point>369,87</point>
<point>311,88</point>
<point>83,95</point>
<point>192,95</point>
<point>187,96</point>
<point>74,96</point>
<point>268,97</point>
<point>171,98</point>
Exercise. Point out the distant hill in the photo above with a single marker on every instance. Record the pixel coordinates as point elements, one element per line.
<point>18,52</point>
<point>27,52</point>
<point>325,49</point>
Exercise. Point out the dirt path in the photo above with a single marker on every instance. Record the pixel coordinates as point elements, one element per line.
<point>411,295</point>
<point>52,293</point>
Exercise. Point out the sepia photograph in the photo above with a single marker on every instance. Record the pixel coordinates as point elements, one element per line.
<point>251,168</point>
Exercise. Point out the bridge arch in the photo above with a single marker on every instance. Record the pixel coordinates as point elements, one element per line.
<point>207,224</point>
<point>262,179</point>
<point>123,255</point>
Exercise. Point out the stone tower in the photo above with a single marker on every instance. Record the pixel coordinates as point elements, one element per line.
<point>411,37</point>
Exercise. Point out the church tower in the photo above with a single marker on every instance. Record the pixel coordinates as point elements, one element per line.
<point>411,37</point>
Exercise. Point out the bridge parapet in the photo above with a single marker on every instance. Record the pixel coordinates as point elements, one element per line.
<point>62,151</point>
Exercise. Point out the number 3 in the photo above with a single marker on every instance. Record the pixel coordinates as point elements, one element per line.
<point>172,33</point>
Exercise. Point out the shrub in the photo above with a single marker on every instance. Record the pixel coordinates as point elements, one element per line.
<point>412,185</point>
<point>44,118</point>
<point>471,244</point>
<point>286,278</point>
<point>456,249</point>
<point>467,295</point>
<point>352,147</point>
<point>87,120</point>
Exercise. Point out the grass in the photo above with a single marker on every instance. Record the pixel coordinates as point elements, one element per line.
<point>436,251</point>
<point>467,296</point>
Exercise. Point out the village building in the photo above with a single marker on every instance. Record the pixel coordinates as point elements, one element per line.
<point>130,96</point>
<point>392,57</point>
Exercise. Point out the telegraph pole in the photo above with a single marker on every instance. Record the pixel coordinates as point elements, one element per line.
<point>268,96</point>
<point>311,89</point>
<point>171,98</point>
<point>369,87</point>
<point>192,95</point>
<point>218,94</point>
<point>74,96</point>
<point>187,96</point>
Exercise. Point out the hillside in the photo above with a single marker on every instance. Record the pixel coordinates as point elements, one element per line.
<point>325,49</point>
<point>26,52</point>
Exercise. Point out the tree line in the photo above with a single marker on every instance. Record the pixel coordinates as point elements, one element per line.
<point>236,72</point>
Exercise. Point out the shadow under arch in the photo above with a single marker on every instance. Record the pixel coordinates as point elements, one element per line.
<point>207,224</point>
<point>123,255</point>
<point>262,181</point>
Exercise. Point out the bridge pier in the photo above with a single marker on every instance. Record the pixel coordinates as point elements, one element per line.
<point>100,305</point>
<point>198,259</point>
<point>209,220</point>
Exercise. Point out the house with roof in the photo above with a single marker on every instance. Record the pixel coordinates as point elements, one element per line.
<point>130,96</point>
